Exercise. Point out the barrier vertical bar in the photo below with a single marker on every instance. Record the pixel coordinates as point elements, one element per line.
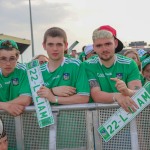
<point>134,135</point>
<point>53,133</point>
<point>97,138</point>
<point>90,139</point>
<point>19,132</point>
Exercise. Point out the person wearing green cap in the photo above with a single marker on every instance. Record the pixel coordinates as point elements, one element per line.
<point>14,85</point>
<point>146,70</point>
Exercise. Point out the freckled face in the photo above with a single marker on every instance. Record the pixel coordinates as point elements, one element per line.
<point>55,47</point>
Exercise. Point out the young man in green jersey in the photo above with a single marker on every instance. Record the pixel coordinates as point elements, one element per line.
<point>15,91</point>
<point>65,78</point>
<point>112,77</point>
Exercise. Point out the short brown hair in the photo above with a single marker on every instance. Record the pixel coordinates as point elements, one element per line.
<point>55,32</point>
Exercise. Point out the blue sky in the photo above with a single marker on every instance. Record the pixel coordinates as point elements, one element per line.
<point>78,18</point>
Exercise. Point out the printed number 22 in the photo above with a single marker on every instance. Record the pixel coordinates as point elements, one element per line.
<point>114,123</point>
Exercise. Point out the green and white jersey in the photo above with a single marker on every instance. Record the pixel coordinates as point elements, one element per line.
<point>15,84</point>
<point>123,68</point>
<point>70,73</point>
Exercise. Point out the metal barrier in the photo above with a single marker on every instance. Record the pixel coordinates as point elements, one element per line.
<point>75,128</point>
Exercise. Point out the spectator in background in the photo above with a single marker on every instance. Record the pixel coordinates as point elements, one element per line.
<point>15,91</point>
<point>132,53</point>
<point>89,51</point>
<point>65,79</point>
<point>66,54</point>
<point>145,55</point>
<point>74,53</point>
<point>112,77</point>
<point>42,58</point>
<point>141,52</point>
<point>3,137</point>
<point>82,54</point>
<point>146,69</point>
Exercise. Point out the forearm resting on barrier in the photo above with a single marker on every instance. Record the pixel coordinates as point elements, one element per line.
<point>63,91</point>
<point>22,100</point>
<point>104,97</point>
<point>12,108</point>
<point>45,92</point>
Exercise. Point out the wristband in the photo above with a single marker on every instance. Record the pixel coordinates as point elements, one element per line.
<point>114,100</point>
<point>56,99</point>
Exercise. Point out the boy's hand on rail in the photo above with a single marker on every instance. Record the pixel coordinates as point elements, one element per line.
<point>13,108</point>
<point>45,92</point>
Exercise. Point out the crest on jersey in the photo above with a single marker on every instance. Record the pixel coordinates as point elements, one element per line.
<point>66,76</point>
<point>119,75</point>
<point>15,81</point>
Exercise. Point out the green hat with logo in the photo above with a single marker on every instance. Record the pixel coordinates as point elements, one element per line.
<point>145,62</point>
<point>8,44</point>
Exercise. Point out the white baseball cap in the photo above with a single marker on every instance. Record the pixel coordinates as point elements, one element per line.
<point>88,49</point>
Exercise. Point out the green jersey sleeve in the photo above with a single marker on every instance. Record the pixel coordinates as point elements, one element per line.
<point>133,72</point>
<point>82,84</point>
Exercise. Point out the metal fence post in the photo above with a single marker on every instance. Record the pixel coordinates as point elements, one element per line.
<point>97,138</point>
<point>53,133</point>
<point>134,135</point>
<point>90,139</point>
<point>19,132</point>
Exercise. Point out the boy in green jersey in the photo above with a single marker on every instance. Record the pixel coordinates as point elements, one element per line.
<point>15,91</point>
<point>112,77</point>
<point>65,78</point>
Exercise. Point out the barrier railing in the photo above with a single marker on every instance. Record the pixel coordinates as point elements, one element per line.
<point>75,128</point>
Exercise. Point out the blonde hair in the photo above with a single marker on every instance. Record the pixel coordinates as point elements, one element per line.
<point>134,51</point>
<point>37,56</point>
<point>101,34</point>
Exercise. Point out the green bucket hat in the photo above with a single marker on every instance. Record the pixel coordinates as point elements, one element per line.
<point>145,62</point>
<point>7,44</point>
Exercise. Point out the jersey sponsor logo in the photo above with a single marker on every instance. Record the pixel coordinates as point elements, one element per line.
<point>7,82</point>
<point>66,76</point>
<point>15,81</point>
<point>119,75</point>
<point>100,75</point>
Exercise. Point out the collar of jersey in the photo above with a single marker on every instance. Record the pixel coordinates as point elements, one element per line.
<point>60,65</point>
